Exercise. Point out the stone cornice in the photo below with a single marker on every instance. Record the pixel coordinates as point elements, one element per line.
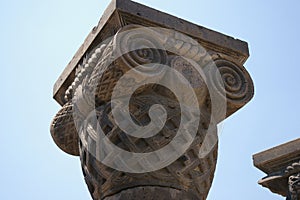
<point>279,163</point>
<point>277,158</point>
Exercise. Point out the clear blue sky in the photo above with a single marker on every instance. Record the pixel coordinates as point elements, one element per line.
<point>38,38</point>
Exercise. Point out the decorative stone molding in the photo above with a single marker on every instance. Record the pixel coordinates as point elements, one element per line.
<point>282,166</point>
<point>294,186</point>
<point>195,79</point>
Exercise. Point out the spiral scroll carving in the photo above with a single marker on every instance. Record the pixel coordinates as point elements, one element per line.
<point>125,51</point>
<point>139,47</point>
<point>141,113</point>
<point>234,80</point>
<point>234,83</point>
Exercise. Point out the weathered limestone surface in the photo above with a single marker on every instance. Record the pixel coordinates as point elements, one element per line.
<point>282,166</point>
<point>121,13</point>
<point>89,82</point>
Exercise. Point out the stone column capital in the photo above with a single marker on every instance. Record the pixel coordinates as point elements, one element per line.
<point>141,100</point>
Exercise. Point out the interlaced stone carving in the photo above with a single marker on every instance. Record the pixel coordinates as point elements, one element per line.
<point>88,107</point>
<point>63,130</point>
<point>188,173</point>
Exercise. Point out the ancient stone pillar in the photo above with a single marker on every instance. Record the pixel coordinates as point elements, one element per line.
<point>282,166</point>
<point>141,100</point>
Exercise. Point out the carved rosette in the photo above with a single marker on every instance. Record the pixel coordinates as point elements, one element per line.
<point>188,177</point>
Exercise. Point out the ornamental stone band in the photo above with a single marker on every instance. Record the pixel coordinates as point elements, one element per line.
<point>141,100</point>
<point>282,166</point>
